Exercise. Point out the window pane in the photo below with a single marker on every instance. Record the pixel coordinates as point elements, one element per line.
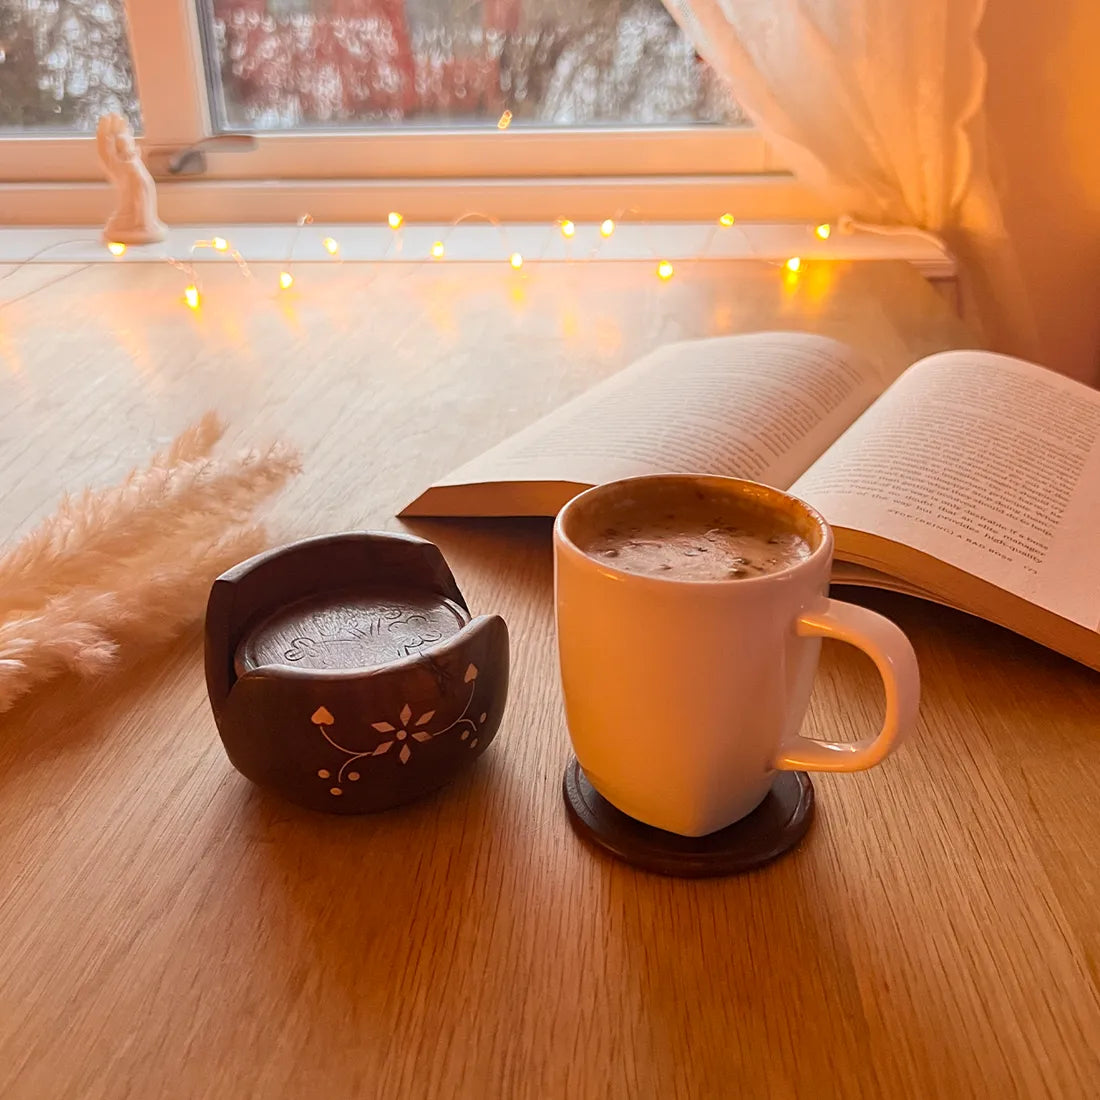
<point>279,64</point>
<point>63,63</point>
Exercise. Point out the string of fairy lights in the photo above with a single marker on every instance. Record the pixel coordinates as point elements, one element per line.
<point>437,252</point>
<point>664,269</point>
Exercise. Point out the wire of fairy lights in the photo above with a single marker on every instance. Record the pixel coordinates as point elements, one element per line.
<point>562,226</point>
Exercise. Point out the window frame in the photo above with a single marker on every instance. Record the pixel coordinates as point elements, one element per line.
<point>660,172</point>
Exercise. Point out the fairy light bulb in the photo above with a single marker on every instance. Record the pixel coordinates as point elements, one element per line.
<point>607,227</point>
<point>220,244</point>
<point>286,280</point>
<point>516,260</point>
<point>567,228</point>
<point>504,121</point>
<point>665,271</point>
<point>793,264</point>
<point>437,250</point>
<point>116,248</point>
<point>396,220</point>
<point>331,247</point>
<point>823,231</point>
<point>726,220</point>
<point>191,296</point>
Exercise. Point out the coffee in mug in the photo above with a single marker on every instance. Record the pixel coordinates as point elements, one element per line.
<point>700,535</point>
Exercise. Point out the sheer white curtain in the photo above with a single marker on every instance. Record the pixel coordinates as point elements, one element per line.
<point>877,104</point>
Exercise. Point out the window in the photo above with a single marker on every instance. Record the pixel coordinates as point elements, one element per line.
<point>527,107</point>
<point>436,63</point>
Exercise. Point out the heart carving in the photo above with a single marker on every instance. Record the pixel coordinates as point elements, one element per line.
<point>321,717</point>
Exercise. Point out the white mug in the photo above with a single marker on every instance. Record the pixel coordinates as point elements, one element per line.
<point>683,697</point>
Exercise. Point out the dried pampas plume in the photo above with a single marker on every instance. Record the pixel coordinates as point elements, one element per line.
<point>132,564</point>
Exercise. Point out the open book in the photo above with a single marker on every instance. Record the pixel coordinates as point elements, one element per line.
<point>972,480</point>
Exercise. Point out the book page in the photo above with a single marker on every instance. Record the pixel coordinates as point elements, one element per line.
<point>761,406</point>
<point>987,463</point>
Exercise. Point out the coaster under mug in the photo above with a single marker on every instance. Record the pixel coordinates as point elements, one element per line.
<point>774,827</point>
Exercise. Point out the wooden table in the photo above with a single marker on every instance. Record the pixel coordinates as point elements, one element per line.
<point>167,930</point>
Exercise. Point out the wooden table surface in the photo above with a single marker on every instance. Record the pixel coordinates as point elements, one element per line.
<point>168,930</point>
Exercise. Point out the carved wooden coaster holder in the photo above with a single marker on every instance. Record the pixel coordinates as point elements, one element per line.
<point>346,673</point>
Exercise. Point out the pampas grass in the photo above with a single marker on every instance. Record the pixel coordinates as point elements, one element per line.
<point>130,565</point>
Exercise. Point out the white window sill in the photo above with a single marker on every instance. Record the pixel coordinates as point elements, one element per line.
<point>773,242</point>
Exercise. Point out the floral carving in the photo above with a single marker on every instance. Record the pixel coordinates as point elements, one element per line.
<point>402,732</point>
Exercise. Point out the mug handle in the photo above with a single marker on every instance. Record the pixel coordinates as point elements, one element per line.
<point>889,648</point>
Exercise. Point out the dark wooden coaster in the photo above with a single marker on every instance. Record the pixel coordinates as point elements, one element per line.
<point>350,629</point>
<point>774,827</point>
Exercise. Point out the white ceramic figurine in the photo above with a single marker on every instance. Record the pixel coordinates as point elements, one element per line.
<point>134,220</point>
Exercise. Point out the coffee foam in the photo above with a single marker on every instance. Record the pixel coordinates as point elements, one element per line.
<point>692,529</point>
